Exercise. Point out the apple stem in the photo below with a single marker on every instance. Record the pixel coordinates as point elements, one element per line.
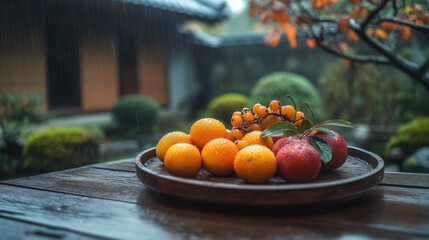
<point>311,110</point>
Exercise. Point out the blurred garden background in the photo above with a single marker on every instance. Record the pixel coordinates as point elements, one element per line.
<point>83,82</point>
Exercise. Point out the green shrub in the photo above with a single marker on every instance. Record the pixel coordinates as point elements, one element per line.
<point>17,112</point>
<point>136,114</point>
<point>278,85</point>
<point>222,106</point>
<point>371,94</point>
<point>59,148</point>
<point>410,136</point>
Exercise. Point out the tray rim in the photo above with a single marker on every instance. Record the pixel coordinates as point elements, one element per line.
<point>264,187</point>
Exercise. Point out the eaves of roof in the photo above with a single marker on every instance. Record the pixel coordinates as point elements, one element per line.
<point>210,10</point>
<point>218,41</point>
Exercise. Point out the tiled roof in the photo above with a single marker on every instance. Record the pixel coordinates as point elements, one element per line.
<point>212,10</point>
<point>213,41</point>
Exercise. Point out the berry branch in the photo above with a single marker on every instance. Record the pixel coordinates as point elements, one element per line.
<point>378,24</point>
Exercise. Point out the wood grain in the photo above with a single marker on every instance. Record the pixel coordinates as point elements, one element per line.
<point>127,165</point>
<point>13,229</point>
<point>113,219</point>
<point>414,180</point>
<point>107,200</point>
<point>384,211</point>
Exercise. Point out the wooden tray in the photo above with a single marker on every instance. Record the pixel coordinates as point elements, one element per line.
<point>362,171</point>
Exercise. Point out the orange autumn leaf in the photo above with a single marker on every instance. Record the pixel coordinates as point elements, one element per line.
<point>370,31</point>
<point>405,33</point>
<point>343,23</point>
<point>254,10</point>
<point>380,33</point>
<point>346,63</point>
<point>311,42</point>
<point>424,17</point>
<point>363,11</point>
<point>418,22</point>
<point>355,12</point>
<point>343,47</point>
<point>389,26</point>
<point>317,4</point>
<point>265,17</point>
<point>272,38</point>
<point>352,36</point>
<point>290,32</point>
<point>280,17</point>
<point>334,1</point>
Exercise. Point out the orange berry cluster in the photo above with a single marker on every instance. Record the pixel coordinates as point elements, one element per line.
<point>260,117</point>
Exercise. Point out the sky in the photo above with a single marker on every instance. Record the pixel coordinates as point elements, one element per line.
<point>237,6</point>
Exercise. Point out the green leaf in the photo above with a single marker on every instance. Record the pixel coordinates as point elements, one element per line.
<point>279,129</point>
<point>335,122</point>
<point>322,147</point>
<point>325,130</point>
<point>305,125</point>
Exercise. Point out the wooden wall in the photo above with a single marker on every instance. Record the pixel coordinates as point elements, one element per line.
<point>99,72</point>
<point>152,69</point>
<point>22,61</point>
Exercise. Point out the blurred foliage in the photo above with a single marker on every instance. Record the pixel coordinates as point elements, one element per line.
<point>222,106</point>
<point>418,161</point>
<point>59,148</point>
<point>410,136</point>
<point>214,29</point>
<point>21,107</point>
<point>136,114</point>
<point>371,94</point>
<point>278,85</point>
<point>17,112</point>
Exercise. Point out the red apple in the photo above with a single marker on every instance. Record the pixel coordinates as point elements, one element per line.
<point>275,139</point>
<point>298,161</point>
<point>284,141</point>
<point>339,150</point>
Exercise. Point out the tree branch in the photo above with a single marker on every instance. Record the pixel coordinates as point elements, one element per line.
<point>423,67</point>
<point>398,60</point>
<point>422,28</point>
<point>395,59</point>
<point>374,12</point>
<point>395,8</point>
<point>362,59</point>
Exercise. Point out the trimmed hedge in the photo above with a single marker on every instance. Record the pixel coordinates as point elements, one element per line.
<point>59,148</point>
<point>136,114</point>
<point>222,106</point>
<point>410,136</point>
<point>278,85</point>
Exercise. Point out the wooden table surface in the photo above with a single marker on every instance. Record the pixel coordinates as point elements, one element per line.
<point>107,201</point>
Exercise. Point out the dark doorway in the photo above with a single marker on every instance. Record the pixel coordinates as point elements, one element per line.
<point>63,68</point>
<point>127,65</point>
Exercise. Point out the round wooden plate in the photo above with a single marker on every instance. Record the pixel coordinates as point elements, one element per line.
<point>362,171</point>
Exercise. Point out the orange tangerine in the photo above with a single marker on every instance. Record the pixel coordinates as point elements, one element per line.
<point>218,156</point>
<point>241,144</point>
<point>253,137</point>
<point>169,140</point>
<point>255,164</point>
<point>205,130</point>
<point>183,160</point>
<point>288,111</point>
<point>235,134</point>
<point>299,116</point>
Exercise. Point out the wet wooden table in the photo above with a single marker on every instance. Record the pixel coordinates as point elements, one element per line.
<point>107,201</point>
